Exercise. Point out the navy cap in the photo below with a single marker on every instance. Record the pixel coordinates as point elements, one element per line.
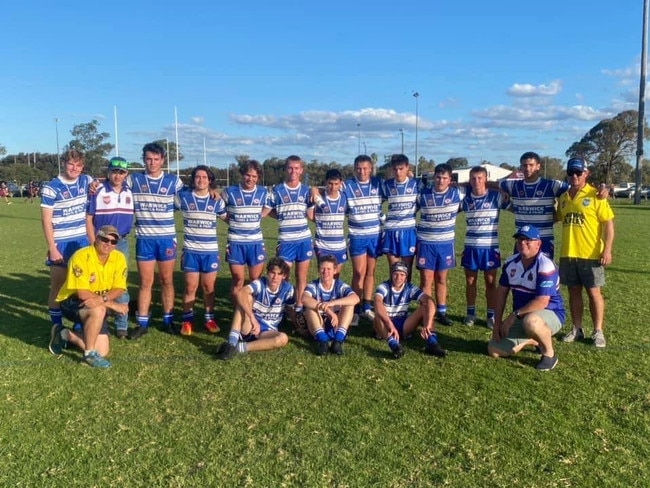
<point>576,164</point>
<point>527,232</point>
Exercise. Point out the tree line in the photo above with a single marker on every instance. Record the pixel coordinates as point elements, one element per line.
<point>608,146</point>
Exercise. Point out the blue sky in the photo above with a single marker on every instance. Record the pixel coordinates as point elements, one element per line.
<point>276,78</point>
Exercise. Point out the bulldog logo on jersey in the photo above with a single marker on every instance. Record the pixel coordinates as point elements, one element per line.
<point>92,278</point>
<point>78,272</point>
<point>163,190</point>
<point>256,201</point>
<point>240,201</point>
<point>210,208</point>
<point>585,202</point>
<point>106,199</point>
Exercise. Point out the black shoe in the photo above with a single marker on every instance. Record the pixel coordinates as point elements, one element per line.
<point>170,329</point>
<point>435,350</point>
<point>442,319</point>
<point>300,325</point>
<point>121,333</point>
<point>138,332</point>
<point>321,348</point>
<point>226,351</point>
<point>397,351</point>
<point>337,348</point>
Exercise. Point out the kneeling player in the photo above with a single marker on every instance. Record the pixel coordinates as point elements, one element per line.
<point>392,320</point>
<point>329,305</point>
<point>259,311</point>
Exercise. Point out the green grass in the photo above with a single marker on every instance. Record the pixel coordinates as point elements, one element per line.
<point>167,414</point>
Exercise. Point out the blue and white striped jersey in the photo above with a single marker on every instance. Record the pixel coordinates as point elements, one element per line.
<point>339,289</point>
<point>533,203</point>
<point>154,204</point>
<point>268,306</point>
<point>110,208</point>
<point>397,301</point>
<point>364,207</point>
<point>290,205</point>
<point>482,218</point>
<point>329,216</point>
<point>200,215</point>
<point>401,199</point>
<point>438,213</point>
<point>68,201</point>
<point>245,213</point>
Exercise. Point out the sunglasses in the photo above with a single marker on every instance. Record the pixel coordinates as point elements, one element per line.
<point>575,172</point>
<point>106,240</point>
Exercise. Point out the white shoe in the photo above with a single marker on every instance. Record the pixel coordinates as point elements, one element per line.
<point>355,320</point>
<point>599,338</point>
<point>490,323</point>
<point>368,314</point>
<point>469,320</point>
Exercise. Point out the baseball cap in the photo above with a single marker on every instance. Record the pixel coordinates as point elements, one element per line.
<point>576,164</point>
<point>399,266</point>
<point>527,232</point>
<point>118,163</point>
<point>108,231</point>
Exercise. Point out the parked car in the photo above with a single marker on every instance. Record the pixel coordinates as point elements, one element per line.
<point>631,192</point>
<point>622,190</point>
<point>14,190</point>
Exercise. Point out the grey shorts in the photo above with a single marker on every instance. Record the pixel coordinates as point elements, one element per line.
<point>517,335</point>
<point>582,272</point>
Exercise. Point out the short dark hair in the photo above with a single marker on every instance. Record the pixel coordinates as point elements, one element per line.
<point>153,147</point>
<point>201,167</point>
<point>333,174</point>
<point>292,159</point>
<point>251,164</point>
<point>443,168</point>
<point>328,258</point>
<point>530,155</point>
<point>73,155</point>
<point>279,263</point>
<point>398,159</point>
<point>362,158</point>
<point>478,169</point>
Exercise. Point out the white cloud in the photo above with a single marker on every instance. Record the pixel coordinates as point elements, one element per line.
<point>528,90</point>
<point>198,120</point>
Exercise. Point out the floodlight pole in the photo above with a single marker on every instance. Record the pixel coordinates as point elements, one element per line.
<point>641,124</point>
<point>416,95</point>
<point>58,152</point>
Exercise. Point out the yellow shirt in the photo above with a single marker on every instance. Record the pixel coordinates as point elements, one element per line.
<point>85,272</point>
<point>582,220</point>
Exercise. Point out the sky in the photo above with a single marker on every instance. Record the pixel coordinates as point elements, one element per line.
<point>323,80</point>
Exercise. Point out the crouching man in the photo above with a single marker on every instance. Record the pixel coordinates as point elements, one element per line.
<point>260,307</point>
<point>538,310</point>
<point>96,278</point>
<point>392,320</point>
<point>328,306</point>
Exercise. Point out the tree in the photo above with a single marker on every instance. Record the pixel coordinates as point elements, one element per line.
<point>607,146</point>
<point>90,141</point>
<point>456,163</point>
<point>171,151</point>
<point>3,150</point>
<point>552,168</point>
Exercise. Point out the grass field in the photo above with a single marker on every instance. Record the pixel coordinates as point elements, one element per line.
<point>168,414</point>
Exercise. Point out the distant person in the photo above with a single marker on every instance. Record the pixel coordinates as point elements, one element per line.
<point>246,204</point>
<point>393,323</point>
<point>200,259</point>
<point>330,207</point>
<point>439,206</point>
<point>112,204</point>
<point>155,235</point>
<point>538,310</point>
<point>401,192</point>
<point>31,191</point>
<point>329,306</point>
<point>481,251</point>
<point>63,218</point>
<point>587,241</point>
<point>364,200</point>
<point>4,192</point>
<point>96,279</point>
<point>260,307</point>
<point>290,203</point>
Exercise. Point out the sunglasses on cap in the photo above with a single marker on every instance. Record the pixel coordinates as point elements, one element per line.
<point>106,240</point>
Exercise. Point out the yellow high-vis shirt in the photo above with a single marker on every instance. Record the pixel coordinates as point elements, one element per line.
<point>85,272</point>
<point>582,219</point>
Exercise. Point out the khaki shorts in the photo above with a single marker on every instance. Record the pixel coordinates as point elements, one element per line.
<point>582,272</point>
<point>517,335</point>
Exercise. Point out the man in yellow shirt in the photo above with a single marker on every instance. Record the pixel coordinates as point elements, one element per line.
<point>587,239</point>
<point>96,278</point>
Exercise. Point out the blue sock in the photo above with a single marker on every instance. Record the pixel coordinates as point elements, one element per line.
<point>490,313</point>
<point>142,320</point>
<point>168,318</point>
<point>392,343</point>
<point>321,336</point>
<point>76,327</point>
<point>56,316</point>
<point>432,339</point>
<point>188,316</point>
<point>471,310</point>
<point>340,334</point>
<point>366,306</point>
<point>233,337</point>
<point>441,309</point>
